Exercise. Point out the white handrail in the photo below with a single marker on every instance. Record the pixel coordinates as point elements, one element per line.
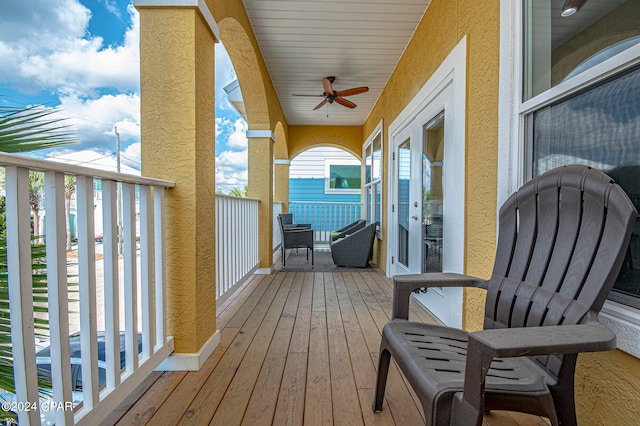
<point>99,399</point>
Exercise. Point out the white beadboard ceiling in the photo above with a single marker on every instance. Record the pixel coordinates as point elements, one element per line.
<point>357,41</point>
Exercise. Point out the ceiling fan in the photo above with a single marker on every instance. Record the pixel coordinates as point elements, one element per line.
<point>331,95</point>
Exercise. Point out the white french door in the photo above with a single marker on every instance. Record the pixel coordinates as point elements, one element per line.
<point>418,206</point>
<point>426,170</point>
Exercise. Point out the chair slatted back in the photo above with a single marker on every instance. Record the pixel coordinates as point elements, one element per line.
<point>562,240</point>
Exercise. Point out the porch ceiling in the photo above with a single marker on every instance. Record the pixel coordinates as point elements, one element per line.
<point>357,41</point>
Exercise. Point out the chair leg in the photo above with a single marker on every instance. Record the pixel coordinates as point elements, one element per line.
<point>284,257</point>
<point>381,382</point>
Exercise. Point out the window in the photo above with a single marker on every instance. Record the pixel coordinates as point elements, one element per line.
<point>372,172</point>
<point>342,175</point>
<point>579,103</point>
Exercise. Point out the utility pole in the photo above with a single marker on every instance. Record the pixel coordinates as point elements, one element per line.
<point>119,196</point>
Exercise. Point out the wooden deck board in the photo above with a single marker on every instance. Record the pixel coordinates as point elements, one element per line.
<point>296,348</point>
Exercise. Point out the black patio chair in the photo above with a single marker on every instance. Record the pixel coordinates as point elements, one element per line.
<point>354,250</point>
<point>562,239</point>
<point>349,229</point>
<point>287,222</point>
<point>295,237</point>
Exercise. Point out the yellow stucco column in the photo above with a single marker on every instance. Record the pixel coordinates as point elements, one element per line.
<point>260,164</point>
<point>178,144</point>
<point>281,190</point>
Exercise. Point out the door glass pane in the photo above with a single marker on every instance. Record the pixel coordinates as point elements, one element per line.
<point>432,194</point>
<point>376,169</point>
<point>404,173</point>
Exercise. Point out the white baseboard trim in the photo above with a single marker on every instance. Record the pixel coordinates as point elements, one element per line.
<point>191,361</point>
<point>264,271</point>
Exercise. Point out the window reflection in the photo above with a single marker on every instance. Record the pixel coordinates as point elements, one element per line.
<point>599,127</point>
<point>557,48</point>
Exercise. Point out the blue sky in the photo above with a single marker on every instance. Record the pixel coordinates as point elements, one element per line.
<point>82,56</point>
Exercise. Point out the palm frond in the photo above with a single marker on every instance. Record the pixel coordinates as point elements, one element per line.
<point>32,128</point>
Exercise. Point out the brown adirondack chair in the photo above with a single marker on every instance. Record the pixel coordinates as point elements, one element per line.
<point>562,239</point>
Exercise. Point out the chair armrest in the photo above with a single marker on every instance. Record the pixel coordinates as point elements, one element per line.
<point>485,345</point>
<point>297,226</point>
<point>404,285</point>
<point>550,340</point>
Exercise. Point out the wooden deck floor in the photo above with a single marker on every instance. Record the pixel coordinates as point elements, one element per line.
<point>296,348</point>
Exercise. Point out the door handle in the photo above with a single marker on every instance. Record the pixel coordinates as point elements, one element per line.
<point>414,217</point>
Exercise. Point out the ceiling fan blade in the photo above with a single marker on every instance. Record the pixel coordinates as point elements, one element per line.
<point>345,102</point>
<point>326,85</point>
<point>354,91</point>
<point>320,104</point>
<point>314,96</point>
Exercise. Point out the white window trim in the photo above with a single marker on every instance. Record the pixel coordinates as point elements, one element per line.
<point>328,162</point>
<point>623,320</point>
<point>367,204</point>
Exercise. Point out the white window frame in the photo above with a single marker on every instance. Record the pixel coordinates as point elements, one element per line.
<point>622,319</point>
<point>369,203</point>
<point>328,162</point>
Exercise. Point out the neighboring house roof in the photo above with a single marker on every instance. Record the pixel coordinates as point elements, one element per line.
<point>96,160</point>
<point>234,95</point>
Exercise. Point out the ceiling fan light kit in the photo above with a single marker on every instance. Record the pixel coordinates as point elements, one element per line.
<point>331,95</point>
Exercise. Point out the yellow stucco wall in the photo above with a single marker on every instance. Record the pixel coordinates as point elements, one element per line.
<point>444,24</point>
<point>607,384</point>
<point>177,110</point>
<point>349,138</point>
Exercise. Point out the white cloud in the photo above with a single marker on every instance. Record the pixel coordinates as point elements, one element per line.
<point>93,120</point>
<point>222,125</point>
<point>231,169</point>
<point>131,156</point>
<point>49,50</point>
<point>224,74</point>
<point>112,7</point>
<point>238,139</point>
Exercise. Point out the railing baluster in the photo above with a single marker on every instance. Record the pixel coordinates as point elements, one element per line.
<point>111,283</point>
<point>145,270</point>
<point>21,290</point>
<point>58,296</point>
<point>87,288</point>
<point>158,223</point>
<point>130,273</point>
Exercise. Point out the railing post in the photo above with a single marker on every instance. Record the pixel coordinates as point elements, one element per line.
<point>58,296</point>
<point>21,291</point>
<point>87,289</point>
<point>130,275</point>
<point>260,166</point>
<point>111,282</point>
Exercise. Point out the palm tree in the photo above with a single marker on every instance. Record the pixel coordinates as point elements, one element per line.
<point>23,130</point>
<point>36,185</point>
<point>69,190</point>
<point>240,192</point>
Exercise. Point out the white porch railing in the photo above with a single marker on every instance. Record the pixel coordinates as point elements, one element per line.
<point>236,242</point>
<point>277,237</point>
<point>138,297</point>
<point>324,217</point>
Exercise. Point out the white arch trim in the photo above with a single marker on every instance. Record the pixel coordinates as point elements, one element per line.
<point>261,134</point>
<point>200,4</point>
